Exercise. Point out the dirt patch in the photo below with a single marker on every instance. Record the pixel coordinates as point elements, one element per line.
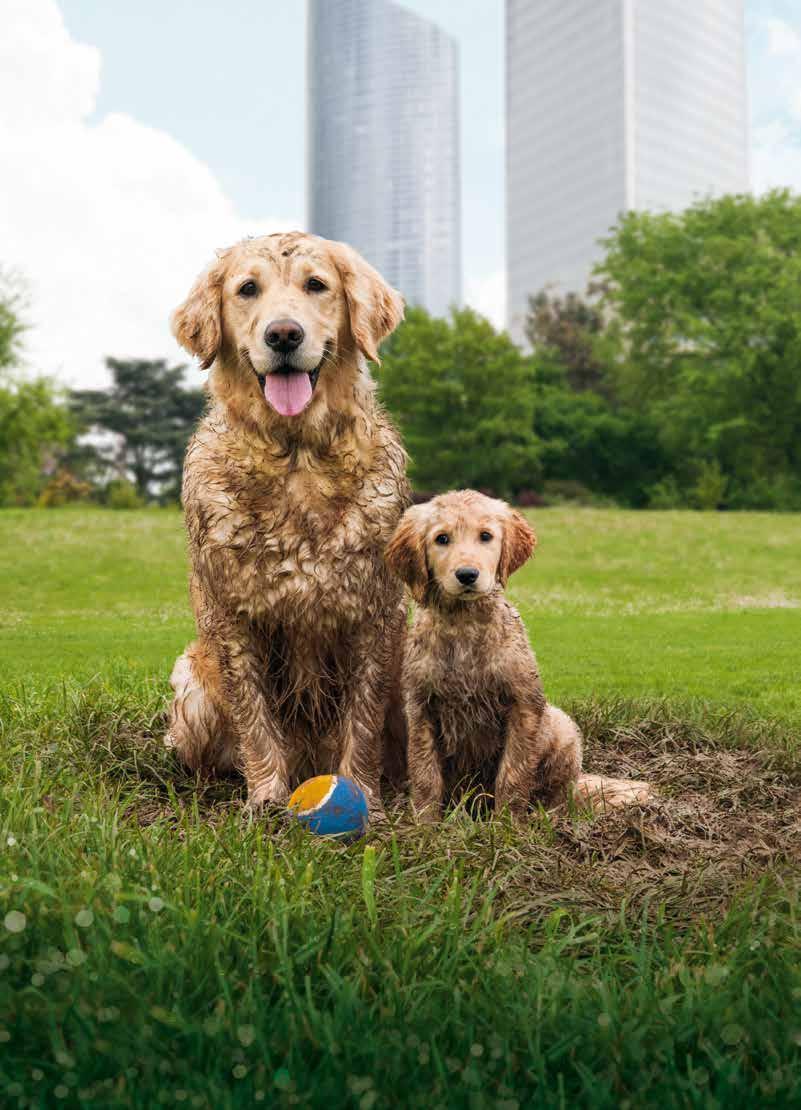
<point>721,816</point>
<point>727,811</point>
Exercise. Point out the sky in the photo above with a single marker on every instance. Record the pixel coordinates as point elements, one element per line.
<point>136,136</point>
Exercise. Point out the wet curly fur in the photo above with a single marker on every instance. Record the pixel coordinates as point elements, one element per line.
<point>474,703</point>
<point>299,621</point>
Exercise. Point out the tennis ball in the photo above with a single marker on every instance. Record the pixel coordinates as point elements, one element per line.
<point>330,805</point>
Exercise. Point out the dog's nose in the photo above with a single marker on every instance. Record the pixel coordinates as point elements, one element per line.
<point>466,575</point>
<point>284,335</point>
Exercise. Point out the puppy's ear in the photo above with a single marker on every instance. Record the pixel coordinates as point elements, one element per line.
<point>518,544</point>
<point>197,323</point>
<point>375,309</point>
<point>406,553</point>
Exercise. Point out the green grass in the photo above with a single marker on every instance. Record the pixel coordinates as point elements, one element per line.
<point>173,954</point>
<point>682,605</point>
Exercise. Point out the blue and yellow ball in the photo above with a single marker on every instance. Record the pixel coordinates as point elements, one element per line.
<point>331,805</point>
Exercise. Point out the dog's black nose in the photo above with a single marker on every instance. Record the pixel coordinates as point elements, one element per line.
<point>466,575</point>
<point>284,335</point>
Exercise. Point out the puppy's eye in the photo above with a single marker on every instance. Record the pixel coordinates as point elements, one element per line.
<point>249,289</point>
<point>485,536</point>
<point>314,285</point>
<point>443,539</point>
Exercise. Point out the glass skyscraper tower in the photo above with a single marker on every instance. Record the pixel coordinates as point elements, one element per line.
<point>383,143</point>
<point>614,105</point>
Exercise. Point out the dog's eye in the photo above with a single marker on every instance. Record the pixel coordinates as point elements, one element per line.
<point>442,539</point>
<point>485,536</point>
<point>314,285</point>
<point>249,289</point>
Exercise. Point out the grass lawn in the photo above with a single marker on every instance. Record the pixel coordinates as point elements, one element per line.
<point>157,950</point>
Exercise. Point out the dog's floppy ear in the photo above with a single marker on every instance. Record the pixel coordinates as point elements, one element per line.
<point>197,323</point>
<point>406,552</point>
<point>375,308</point>
<point>518,543</point>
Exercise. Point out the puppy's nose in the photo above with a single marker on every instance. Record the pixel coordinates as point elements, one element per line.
<point>284,335</point>
<point>466,575</point>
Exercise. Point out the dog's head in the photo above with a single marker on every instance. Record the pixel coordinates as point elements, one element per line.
<point>287,315</point>
<point>459,546</point>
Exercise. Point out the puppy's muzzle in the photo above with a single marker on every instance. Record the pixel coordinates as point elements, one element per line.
<point>466,576</point>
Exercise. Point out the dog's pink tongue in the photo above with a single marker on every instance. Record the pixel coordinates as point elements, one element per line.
<point>289,394</point>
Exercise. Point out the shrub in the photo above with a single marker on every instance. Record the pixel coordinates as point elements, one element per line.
<point>709,491</point>
<point>530,499</point>
<point>64,489</point>
<point>121,494</point>
<point>566,490</point>
<point>666,495</point>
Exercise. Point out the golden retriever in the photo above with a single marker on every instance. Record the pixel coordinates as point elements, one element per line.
<point>474,703</point>
<point>293,484</point>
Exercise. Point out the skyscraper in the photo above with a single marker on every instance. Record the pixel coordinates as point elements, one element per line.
<point>614,105</point>
<point>383,143</point>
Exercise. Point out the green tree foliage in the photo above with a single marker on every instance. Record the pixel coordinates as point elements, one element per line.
<point>151,415</point>
<point>463,396</point>
<point>706,311</point>
<point>566,331</point>
<point>35,428</point>
<point>610,451</point>
<point>12,326</point>
<point>34,425</point>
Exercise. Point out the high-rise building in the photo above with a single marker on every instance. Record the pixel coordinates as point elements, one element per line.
<point>383,143</point>
<point>614,105</point>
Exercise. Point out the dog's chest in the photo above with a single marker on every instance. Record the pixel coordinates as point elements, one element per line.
<point>468,701</point>
<point>294,550</point>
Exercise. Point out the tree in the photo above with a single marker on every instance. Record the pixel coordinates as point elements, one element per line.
<point>707,338</point>
<point>34,425</point>
<point>463,397</point>
<point>34,431</point>
<point>611,451</point>
<point>12,325</point>
<point>151,415</point>
<point>566,330</point>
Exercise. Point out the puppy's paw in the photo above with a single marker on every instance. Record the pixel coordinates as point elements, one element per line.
<point>603,793</point>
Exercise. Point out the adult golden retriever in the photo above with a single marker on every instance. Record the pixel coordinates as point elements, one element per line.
<point>293,484</point>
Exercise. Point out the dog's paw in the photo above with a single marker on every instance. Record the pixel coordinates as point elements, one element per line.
<point>266,798</point>
<point>603,793</point>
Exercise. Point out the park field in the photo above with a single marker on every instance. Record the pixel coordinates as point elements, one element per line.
<point>158,949</point>
<point>693,607</point>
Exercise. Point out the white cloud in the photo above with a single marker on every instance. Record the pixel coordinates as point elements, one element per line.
<point>487,295</point>
<point>108,222</point>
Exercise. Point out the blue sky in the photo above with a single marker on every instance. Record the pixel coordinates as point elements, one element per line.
<point>137,135</point>
<point>233,89</point>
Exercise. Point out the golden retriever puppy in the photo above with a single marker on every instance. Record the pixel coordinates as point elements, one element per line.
<point>293,484</point>
<point>475,708</point>
<point>474,703</point>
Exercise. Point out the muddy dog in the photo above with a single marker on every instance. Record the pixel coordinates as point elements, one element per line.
<point>293,484</point>
<point>473,697</point>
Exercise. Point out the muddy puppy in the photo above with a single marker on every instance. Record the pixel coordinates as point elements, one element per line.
<point>475,708</point>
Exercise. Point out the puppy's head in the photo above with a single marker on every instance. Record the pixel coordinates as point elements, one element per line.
<point>287,316</point>
<point>459,546</point>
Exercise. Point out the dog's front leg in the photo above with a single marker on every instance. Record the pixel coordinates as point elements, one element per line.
<point>362,722</point>
<point>425,772</point>
<point>517,772</point>
<point>262,748</point>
